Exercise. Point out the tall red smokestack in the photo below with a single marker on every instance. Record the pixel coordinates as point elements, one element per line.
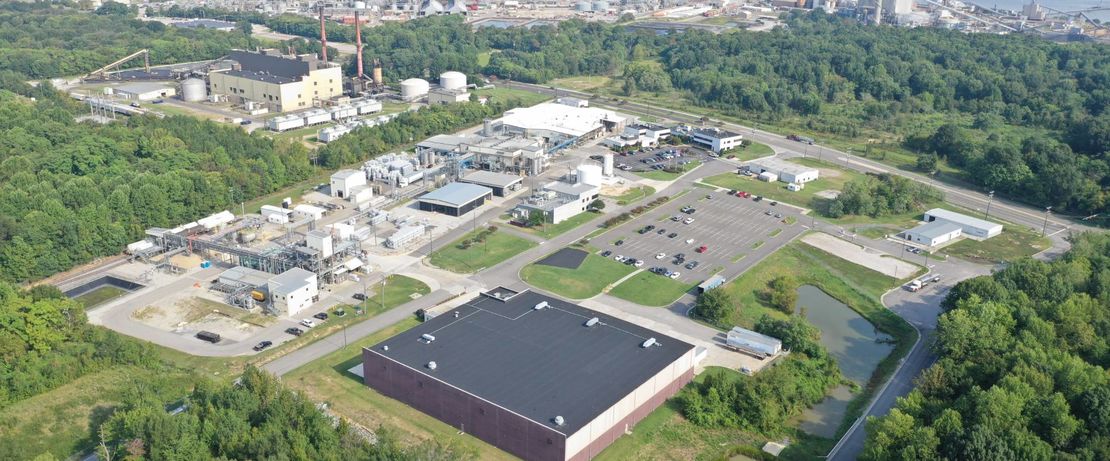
<point>358,44</point>
<point>323,37</point>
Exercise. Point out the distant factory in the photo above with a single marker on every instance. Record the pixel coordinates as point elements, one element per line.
<point>279,82</point>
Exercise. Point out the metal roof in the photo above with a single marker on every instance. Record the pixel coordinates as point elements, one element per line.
<point>569,189</point>
<point>715,133</point>
<point>755,337</point>
<point>260,76</point>
<point>780,166</point>
<point>536,363</point>
<point>491,179</point>
<point>290,280</point>
<point>935,229</point>
<point>292,69</point>
<point>961,219</point>
<point>142,87</point>
<point>456,194</point>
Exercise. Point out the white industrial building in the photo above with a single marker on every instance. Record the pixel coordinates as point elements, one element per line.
<point>502,184</point>
<point>716,139</point>
<point>507,154</point>
<point>784,171</point>
<point>144,91</point>
<point>293,291</point>
<point>558,124</point>
<point>933,233</point>
<point>276,214</point>
<point>343,182</point>
<point>559,201</point>
<point>638,135</point>
<point>446,96</point>
<point>971,226</point>
<point>304,211</point>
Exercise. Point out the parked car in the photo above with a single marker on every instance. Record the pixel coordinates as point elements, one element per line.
<point>676,218</point>
<point>619,242</point>
<point>661,231</point>
<point>778,215</point>
<point>618,258</point>
<point>294,331</point>
<point>773,203</point>
<point>672,235</point>
<point>689,241</point>
<point>688,221</point>
<point>360,296</point>
<point>702,249</point>
<point>692,264</point>
<point>321,316</point>
<point>768,212</point>
<point>262,345</point>
<point>208,336</point>
<point>308,323</point>
<point>638,263</point>
<point>660,255</point>
<point>675,274</point>
<point>606,253</point>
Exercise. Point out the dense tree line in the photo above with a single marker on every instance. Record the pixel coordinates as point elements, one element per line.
<point>71,192</point>
<point>766,401</point>
<point>45,342</point>
<point>1022,369</point>
<point>882,195</point>
<point>257,418</point>
<point>40,40</point>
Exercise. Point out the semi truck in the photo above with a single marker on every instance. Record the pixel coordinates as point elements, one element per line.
<point>760,345</point>
<point>923,282</point>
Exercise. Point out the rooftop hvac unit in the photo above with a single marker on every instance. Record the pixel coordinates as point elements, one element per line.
<point>432,365</point>
<point>559,421</point>
<point>650,342</point>
<point>540,305</point>
<point>385,348</point>
<point>427,337</point>
<point>592,322</point>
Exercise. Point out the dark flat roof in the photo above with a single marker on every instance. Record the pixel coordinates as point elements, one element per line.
<point>536,363</point>
<point>292,69</point>
<point>260,76</point>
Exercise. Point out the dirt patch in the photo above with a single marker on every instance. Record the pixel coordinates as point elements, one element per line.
<point>872,259</point>
<point>194,314</point>
<point>615,190</point>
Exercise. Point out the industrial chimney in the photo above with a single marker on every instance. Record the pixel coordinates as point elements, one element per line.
<point>377,75</point>
<point>323,37</point>
<point>358,45</point>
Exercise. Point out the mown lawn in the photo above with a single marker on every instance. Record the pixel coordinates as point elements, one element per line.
<point>549,231</point>
<point>1015,242</point>
<point>633,195</point>
<point>660,175</point>
<point>527,98</point>
<point>327,380</point>
<point>587,281</point>
<point>752,151</point>
<point>498,247</point>
<point>649,289</point>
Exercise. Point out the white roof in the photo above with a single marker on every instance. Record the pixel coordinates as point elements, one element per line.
<point>780,166</point>
<point>962,219</point>
<point>935,229</point>
<point>346,174</point>
<point>308,209</point>
<point>142,87</point>
<point>561,118</point>
<point>353,263</point>
<point>290,281</point>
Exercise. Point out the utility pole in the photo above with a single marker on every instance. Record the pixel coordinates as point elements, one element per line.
<point>1044,227</point>
<point>847,157</point>
<point>383,291</point>
<point>990,198</point>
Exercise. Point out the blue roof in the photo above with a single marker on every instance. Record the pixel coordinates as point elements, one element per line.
<point>456,194</point>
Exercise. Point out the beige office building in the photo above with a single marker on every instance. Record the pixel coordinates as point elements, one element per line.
<point>282,83</point>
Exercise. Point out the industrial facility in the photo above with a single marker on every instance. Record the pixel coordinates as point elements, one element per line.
<point>455,199</point>
<point>943,226</point>
<point>558,201</point>
<point>715,139</point>
<point>581,378</point>
<point>772,169</point>
<point>279,82</point>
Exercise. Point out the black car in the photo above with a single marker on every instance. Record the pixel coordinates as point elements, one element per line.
<point>606,253</point>
<point>650,227</point>
<point>661,231</point>
<point>360,296</point>
<point>692,264</point>
<point>630,261</point>
<point>618,242</point>
<point>294,331</point>
<point>321,316</point>
<point>774,203</point>
<point>680,256</point>
<point>672,235</point>
<point>757,198</point>
<point>262,345</point>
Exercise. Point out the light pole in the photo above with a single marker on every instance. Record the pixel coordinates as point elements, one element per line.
<point>990,198</point>
<point>1044,227</point>
<point>847,157</point>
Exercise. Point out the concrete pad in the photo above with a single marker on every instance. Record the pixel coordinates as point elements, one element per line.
<point>866,257</point>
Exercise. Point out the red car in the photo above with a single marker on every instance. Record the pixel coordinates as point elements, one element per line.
<point>702,249</point>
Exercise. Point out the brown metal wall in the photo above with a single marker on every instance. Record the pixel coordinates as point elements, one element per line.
<point>503,429</point>
<point>598,444</point>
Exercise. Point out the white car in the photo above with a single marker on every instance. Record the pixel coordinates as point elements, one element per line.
<point>675,274</point>
<point>618,258</point>
<point>660,255</point>
<point>689,241</point>
<point>639,263</point>
<point>688,221</point>
<point>308,323</point>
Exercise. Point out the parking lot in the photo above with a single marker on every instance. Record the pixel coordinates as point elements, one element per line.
<point>735,231</point>
<point>650,159</point>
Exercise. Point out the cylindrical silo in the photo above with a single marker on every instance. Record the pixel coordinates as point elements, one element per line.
<point>359,5</point>
<point>601,6</point>
<point>194,90</point>
<point>607,165</point>
<point>589,175</point>
<point>452,80</point>
<point>413,88</point>
<point>583,6</point>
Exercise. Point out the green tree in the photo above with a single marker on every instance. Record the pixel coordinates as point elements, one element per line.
<point>715,306</point>
<point>927,163</point>
<point>782,293</point>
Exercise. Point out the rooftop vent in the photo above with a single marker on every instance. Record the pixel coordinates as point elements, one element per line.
<point>650,342</point>
<point>541,305</point>
<point>559,421</point>
<point>432,365</point>
<point>592,322</point>
<point>427,337</point>
<point>385,348</point>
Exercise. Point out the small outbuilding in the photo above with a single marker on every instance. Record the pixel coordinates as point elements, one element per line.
<point>455,199</point>
<point>294,290</point>
<point>145,91</point>
<point>344,181</point>
<point>933,233</point>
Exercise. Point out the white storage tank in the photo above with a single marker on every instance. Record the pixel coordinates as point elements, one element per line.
<point>414,88</point>
<point>607,165</point>
<point>194,90</point>
<point>359,5</point>
<point>452,80</point>
<point>589,175</point>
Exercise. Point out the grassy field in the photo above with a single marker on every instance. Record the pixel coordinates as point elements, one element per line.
<point>527,98</point>
<point>633,195</point>
<point>327,380</point>
<point>660,175</point>
<point>856,286</point>
<point>649,289</point>
<point>752,151</point>
<point>497,247</point>
<point>399,289</point>
<point>1015,242</point>
<point>549,231</point>
<point>582,83</point>
<point>587,281</point>
<point>100,296</point>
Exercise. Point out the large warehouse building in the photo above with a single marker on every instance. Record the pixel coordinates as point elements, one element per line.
<point>282,83</point>
<point>455,199</point>
<point>581,379</point>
